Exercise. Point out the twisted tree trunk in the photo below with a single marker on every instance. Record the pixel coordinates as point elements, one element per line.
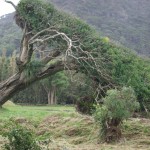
<point>52,62</point>
<point>17,83</point>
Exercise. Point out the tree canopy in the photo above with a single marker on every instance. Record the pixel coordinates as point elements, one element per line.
<point>61,41</point>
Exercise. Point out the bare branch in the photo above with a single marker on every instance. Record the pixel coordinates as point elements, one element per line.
<point>52,54</point>
<point>10,2</point>
<point>54,59</point>
<point>74,50</point>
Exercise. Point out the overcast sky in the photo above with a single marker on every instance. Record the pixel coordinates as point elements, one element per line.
<point>6,8</point>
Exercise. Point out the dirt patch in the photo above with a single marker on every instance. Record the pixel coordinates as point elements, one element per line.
<point>80,133</point>
<point>49,125</point>
<point>143,121</point>
<point>42,131</point>
<point>2,142</point>
<point>51,120</point>
<point>73,132</point>
<point>20,120</point>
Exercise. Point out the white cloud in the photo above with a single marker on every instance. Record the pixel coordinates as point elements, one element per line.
<point>6,8</point>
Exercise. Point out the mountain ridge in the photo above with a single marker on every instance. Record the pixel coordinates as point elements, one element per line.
<point>124,21</point>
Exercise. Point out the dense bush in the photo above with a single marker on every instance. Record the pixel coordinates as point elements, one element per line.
<point>118,106</point>
<point>130,70</point>
<point>20,139</point>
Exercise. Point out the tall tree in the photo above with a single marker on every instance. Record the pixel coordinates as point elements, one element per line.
<point>68,43</point>
<point>52,84</point>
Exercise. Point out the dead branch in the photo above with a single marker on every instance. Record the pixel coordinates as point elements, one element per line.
<point>10,2</point>
<point>54,60</point>
<point>82,57</point>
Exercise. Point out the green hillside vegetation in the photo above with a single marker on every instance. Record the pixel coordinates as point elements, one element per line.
<point>10,34</point>
<point>124,21</point>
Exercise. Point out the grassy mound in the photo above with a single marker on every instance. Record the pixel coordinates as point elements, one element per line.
<point>9,103</point>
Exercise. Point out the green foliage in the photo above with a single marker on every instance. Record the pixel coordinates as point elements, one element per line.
<point>36,13</point>
<point>130,70</point>
<point>7,66</point>
<point>106,39</point>
<point>85,105</point>
<point>20,139</point>
<point>32,68</point>
<point>78,30</point>
<point>59,80</point>
<point>121,104</point>
<point>34,94</point>
<point>74,28</point>
<point>116,65</point>
<point>33,12</point>
<point>118,106</point>
<point>79,86</point>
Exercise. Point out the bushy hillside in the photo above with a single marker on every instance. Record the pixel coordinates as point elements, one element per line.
<point>125,21</point>
<point>10,34</point>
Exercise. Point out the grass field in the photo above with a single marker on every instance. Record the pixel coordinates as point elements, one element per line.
<point>65,129</point>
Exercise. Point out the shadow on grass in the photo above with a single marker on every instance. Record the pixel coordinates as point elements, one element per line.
<point>3,110</point>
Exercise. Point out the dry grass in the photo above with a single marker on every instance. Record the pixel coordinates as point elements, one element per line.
<point>80,133</point>
<point>68,130</point>
<point>9,103</point>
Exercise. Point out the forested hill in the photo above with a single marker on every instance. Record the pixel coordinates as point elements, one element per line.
<point>10,34</point>
<point>125,21</point>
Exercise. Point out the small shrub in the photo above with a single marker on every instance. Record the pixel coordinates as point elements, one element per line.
<point>20,139</point>
<point>118,105</point>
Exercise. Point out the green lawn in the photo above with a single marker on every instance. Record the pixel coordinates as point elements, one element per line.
<point>33,112</point>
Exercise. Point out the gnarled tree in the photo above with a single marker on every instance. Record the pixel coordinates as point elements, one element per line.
<point>62,41</point>
<point>53,41</point>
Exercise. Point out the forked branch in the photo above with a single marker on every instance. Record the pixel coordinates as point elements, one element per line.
<point>84,58</point>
